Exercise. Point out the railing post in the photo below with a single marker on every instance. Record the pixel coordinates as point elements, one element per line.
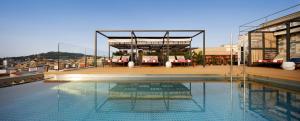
<point>58,57</point>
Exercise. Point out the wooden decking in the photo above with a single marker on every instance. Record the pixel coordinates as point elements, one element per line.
<point>221,70</point>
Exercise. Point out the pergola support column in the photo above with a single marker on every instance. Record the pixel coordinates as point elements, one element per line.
<point>136,48</point>
<point>131,36</point>
<point>108,51</point>
<point>136,52</point>
<point>190,49</point>
<point>58,57</point>
<point>95,50</point>
<point>263,45</point>
<point>277,45</point>
<point>203,56</point>
<point>288,41</point>
<point>249,49</point>
<point>168,44</point>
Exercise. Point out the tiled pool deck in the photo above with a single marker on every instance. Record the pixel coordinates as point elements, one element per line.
<point>220,70</point>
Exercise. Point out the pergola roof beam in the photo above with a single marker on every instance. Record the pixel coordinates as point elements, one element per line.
<point>135,38</point>
<point>140,30</point>
<point>196,34</point>
<point>102,34</point>
<point>149,37</point>
<point>164,39</point>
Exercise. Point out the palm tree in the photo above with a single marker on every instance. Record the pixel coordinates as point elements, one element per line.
<point>197,57</point>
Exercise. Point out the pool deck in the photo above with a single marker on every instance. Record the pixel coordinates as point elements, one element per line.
<point>219,70</point>
<point>12,80</point>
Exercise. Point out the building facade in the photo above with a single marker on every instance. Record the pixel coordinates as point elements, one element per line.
<point>277,39</point>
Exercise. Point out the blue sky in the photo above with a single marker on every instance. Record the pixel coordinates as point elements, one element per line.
<point>35,26</point>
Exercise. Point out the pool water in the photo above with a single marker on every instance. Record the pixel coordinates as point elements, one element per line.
<point>161,101</point>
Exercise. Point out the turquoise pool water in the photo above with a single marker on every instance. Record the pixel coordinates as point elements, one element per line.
<point>186,101</point>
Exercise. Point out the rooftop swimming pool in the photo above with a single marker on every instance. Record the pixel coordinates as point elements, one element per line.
<point>159,100</point>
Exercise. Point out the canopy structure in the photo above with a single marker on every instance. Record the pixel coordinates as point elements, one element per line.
<point>167,40</point>
<point>149,43</point>
<point>275,38</point>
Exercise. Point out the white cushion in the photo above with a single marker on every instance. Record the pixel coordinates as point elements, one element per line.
<point>168,64</point>
<point>288,65</point>
<point>130,64</point>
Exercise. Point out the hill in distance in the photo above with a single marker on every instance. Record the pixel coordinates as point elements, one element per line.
<point>49,55</point>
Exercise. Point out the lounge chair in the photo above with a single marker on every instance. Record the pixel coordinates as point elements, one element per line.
<point>150,59</point>
<point>125,59</point>
<point>119,60</point>
<point>277,60</point>
<point>172,59</point>
<point>116,59</point>
<point>181,59</point>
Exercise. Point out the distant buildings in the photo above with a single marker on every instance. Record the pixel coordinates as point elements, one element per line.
<point>219,55</point>
<point>39,63</point>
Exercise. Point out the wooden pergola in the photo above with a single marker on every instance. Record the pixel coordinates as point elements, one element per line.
<point>147,41</point>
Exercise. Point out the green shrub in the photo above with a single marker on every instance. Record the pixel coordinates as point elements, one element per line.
<point>197,57</point>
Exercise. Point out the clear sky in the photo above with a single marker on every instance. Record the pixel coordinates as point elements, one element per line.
<point>34,26</point>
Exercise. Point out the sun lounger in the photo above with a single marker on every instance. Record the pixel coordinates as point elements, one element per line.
<point>120,60</point>
<point>172,59</point>
<point>181,59</point>
<point>277,60</point>
<point>116,59</point>
<point>125,59</point>
<point>150,59</point>
<point>269,61</point>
